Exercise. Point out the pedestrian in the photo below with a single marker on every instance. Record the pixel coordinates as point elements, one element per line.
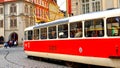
<point>10,43</point>
<point>15,43</point>
<point>78,33</point>
<point>5,44</point>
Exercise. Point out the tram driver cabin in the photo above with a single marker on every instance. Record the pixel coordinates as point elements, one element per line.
<point>97,43</point>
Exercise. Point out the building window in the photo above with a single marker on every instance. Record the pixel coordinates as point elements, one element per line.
<point>26,8</point>
<point>31,21</point>
<point>31,10</point>
<point>13,23</point>
<point>42,3</point>
<point>1,23</point>
<point>94,4</point>
<point>1,10</point>
<point>85,6</point>
<point>26,22</point>
<point>13,8</point>
<point>39,12</point>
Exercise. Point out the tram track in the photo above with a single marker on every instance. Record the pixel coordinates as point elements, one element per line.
<point>5,57</point>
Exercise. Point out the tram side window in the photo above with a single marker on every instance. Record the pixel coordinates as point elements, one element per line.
<point>52,32</point>
<point>76,29</point>
<point>30,35</point>
<point>25,35</point>
<point>36,34</point>
<point>43,33</point>
<point>113,26</point>
<point>63,31</point>
<point>94,28</point>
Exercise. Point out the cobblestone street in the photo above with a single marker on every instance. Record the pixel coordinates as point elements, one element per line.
<point>16,58</point>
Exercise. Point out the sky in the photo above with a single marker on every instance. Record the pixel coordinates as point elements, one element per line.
<point>62,4</point>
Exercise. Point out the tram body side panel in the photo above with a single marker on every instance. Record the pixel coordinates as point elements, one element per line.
<point>103,48</point>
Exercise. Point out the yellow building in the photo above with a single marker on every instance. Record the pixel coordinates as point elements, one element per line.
<point>54,11</point>
<point>46,10</point>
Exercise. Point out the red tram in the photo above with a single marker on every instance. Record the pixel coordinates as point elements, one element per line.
<point>92,38</point>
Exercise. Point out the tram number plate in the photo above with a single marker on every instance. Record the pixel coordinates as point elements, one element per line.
<point>52,48</point>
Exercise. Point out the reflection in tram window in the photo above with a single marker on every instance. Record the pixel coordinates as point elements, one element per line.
<point>63,31</point>
<point>94,28</point>
<point>113,26</point>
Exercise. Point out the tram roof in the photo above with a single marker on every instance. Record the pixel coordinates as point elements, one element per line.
<point>95,15</point>
<point>29,28</point>
<point>60,21</point>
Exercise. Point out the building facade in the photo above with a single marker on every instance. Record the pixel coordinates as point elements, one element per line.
<point>41,10</point>
<point>76,7</point>
<point>16,15</point>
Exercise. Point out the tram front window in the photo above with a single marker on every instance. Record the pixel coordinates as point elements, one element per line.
<point>30,34</point>
<point>25,35</point>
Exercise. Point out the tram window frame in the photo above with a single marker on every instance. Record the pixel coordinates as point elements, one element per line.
<point>76,29</point>
<point>63,30</point>
<point>113,26</point>
<point>52,31</point>
<point>95,28</point>
<point>36,34</point>
<point>43,32</point>
<point>30,35</point>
